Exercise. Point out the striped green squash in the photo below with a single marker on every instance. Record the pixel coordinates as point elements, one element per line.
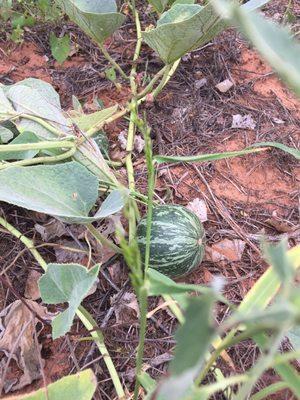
<point>177,240</point>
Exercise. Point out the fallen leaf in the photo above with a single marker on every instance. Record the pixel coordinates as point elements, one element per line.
<point>224,86</point>
<point>126,309</point>
<point>32,291</point>
<point>139,143</point>
<point>122,138</point>
<point>54,228</point>
<point>198,206</point>
<point>69,252</point>
<point>161,359</point>
<point>243,122</point>
<point>17,330</point>
<point>225,250</point>
<point>199,83</point>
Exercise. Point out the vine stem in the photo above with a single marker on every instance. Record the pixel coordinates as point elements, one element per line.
<point>40,160</point>
<point>85,317</point>
<point>143,294</point>
<point>112,61</point>
<point>133,210</point>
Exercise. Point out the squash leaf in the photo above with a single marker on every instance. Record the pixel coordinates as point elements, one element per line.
<point>99,19</point>
<point>79,386</point>
<point>66,283</point>
<point>187,27</point>
<point>67,191</point>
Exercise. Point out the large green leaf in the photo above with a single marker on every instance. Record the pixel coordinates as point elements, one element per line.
<point>275,43</point>
<point>67,191</point>
<point>38,99</point>
<point>186,27</point>
<point>66,283</point>
<point>97,18</point>
<point>80,386</point>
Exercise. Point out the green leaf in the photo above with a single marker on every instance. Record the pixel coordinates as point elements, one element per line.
<point>22,138</point>
<point>39,99</point>
<point>204,157</point>
<point>98,118</point>
<point>275,43</point>
<point>66,283</point>
<point>186,27</point>
<point>293,152</point>
<point>229,154</point>
<point>5,104</point>
<point>183,28</point>
<point>67,191</point>
<point>159,5</point>
<point>160,284</point>
<point>99,19</point>
<point>60,47</point>
<point>110,74</point>
<point>80,386</point>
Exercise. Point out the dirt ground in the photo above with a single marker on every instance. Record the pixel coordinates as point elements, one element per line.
<point>246,197</point>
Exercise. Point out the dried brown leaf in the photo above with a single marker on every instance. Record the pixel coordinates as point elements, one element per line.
<point>32,290</point>
<point>126,309</point>
<point>54,228</point>
<point>17,330</point>
<point>225,250</point>
<point>198,206</point>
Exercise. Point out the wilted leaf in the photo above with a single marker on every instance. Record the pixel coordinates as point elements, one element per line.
<point>17,330</point>
<point>243,122</point>
<point>126,308</point>
<point>226,250</point>
<point>68,191</point>
<point>32,291</point>
<point>60,47</point>
<point>97,18</point>
<point>198,206</point>
<point>66,283</point>
<point>80,386</point>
